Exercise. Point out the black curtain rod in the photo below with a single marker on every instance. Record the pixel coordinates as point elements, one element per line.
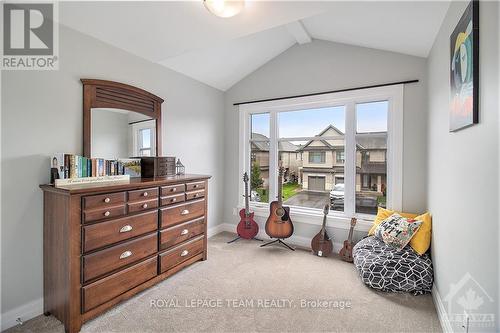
<point>327,92</point>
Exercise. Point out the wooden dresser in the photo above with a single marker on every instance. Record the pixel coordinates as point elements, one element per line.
<point>103,244</point>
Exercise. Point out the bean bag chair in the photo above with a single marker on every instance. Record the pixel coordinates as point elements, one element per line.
<point>383,267</point>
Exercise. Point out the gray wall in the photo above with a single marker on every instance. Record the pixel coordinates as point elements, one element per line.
<point>42,114</point>
<point>463,166</point>
<point>324,66</point>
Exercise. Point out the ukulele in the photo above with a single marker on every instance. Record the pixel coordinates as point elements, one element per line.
<point>321,244</point>
<point>278,224</point>
<point>346,251</point>
<point>247,228</point>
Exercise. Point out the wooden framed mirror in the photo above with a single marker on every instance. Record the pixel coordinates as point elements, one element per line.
<point>119,119</point>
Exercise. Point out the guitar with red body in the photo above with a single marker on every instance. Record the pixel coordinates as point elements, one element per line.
<point>247,228</point>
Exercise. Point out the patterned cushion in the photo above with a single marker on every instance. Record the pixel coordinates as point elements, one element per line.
<point>382,267</point>
<point>397,231</point>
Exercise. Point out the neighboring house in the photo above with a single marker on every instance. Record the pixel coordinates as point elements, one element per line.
<point>289,155</point>
<point>323,161</point>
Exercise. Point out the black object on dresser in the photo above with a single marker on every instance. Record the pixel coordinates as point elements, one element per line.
<point>105,243</point>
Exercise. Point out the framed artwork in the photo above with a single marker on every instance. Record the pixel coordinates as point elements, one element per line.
<point>464,70</point>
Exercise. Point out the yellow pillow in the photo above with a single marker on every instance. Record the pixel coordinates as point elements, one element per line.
<point>421,241</point>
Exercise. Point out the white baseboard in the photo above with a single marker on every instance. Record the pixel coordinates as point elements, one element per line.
<point>299,241</point>
<point>441,311</point>
<point>25,312</point>
<point>217,229</point>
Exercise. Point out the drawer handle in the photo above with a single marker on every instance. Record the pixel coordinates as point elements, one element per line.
<point>173,200</point>
<point>184,253</point>
<point>126,228</point>
<point>145,194</point>
<point>173,189</point>
<point>196,186</point>
<point>125,254</point>
<point>184,232</point>
<point>107,200</point>
<point>185,212</point>
<point>107,213</point>
<point>197,195</point>
<point>145,206</point>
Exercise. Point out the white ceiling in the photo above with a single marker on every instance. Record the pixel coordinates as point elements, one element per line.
<point>185,37</point>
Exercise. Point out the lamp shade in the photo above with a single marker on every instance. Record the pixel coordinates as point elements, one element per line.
<point>224,8</point>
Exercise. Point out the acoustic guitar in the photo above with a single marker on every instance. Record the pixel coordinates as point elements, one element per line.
<point>346,251</point>
<point>321,244</point>
<point>278,224</point>
<point>247,228</point>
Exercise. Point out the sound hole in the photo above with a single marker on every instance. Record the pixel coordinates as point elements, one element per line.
<point>280,212</point>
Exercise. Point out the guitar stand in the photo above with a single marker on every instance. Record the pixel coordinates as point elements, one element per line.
<point>234,240</point>
<point>279,242</point>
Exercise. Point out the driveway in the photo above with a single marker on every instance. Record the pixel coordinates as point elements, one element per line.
<point>309,199</point>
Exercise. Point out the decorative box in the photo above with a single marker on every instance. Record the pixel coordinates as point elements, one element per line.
<point>160,166</point>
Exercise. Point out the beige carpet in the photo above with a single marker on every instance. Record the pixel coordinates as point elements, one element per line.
<point>243,271</point>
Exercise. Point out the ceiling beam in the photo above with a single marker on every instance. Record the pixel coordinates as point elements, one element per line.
<point>297,30</point>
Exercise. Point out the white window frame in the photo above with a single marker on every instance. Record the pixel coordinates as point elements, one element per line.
<point>135,129</point>
<point>393,94</point>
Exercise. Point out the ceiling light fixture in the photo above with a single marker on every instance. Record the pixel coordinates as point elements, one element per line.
<point>224,8</point>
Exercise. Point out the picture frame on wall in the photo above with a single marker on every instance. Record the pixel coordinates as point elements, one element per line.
<point>464,70</point>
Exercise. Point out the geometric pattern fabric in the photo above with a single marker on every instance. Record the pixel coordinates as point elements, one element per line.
<point>382,267</point>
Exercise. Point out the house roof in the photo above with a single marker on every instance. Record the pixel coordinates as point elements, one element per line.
<point>372,140</point>
<point>263,144</point>
<point>329,127</point>
<point>365,141</point>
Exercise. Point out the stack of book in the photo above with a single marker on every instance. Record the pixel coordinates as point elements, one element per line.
<point>68,166</point>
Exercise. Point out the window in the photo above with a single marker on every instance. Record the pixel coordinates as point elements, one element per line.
<point>143,135</point>
<point>317,157</point>
<point>371,145</point>
<point>145,142</point>
<point>259,162</point>
<point>315,134</point>
<point>340,156</point>
<point>341,148</point>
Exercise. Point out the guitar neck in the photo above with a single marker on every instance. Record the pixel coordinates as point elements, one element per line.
<point>280,191</point>
<point>247,204</point>
<point>353,223</point>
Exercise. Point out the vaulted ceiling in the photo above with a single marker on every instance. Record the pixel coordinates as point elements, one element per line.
<point>185,37</point>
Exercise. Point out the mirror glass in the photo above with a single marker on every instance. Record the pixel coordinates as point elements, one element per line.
<point>117,133</point>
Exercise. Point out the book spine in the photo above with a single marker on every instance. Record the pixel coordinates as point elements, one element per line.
<point>84,166</point>
<point>80,166</point>
<point>66,165</point>
<point>72,166</point>
<point>77,166</point>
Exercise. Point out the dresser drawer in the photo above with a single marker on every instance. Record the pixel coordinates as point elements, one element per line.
<point>182,232</point>
<point>108,288</point>
<point>172,189</point>
<point>142,205</point>
<point>173,199</point>
<point>107,260</point>
<point>175,256</point>
<point>103,200</point>
<point>181,213</point>
<point>104,213</point>
<point>109,232</point>
<point>195,186</point>
<point>195,195</point>
<point>141,195</point>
